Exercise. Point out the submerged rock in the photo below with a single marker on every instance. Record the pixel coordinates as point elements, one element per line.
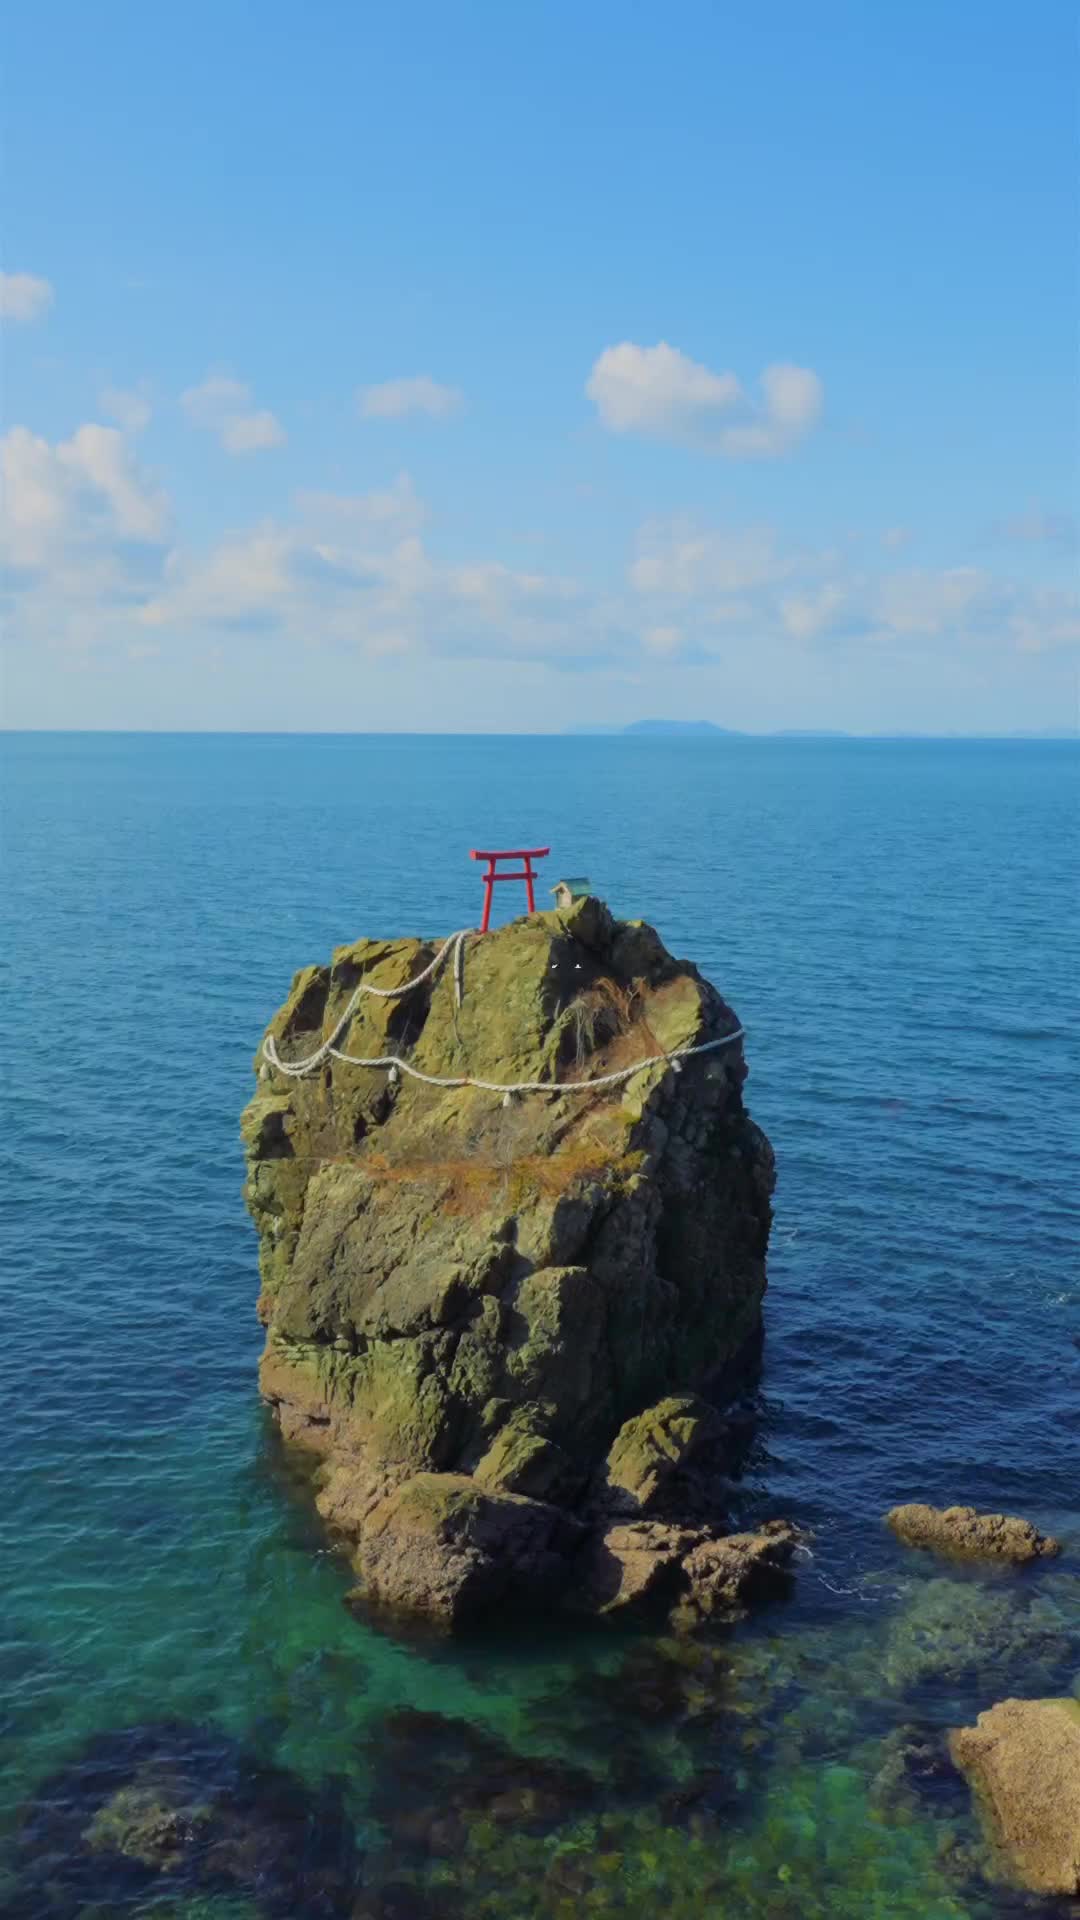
<point>915,1771</point>
<point>172,1809</point>
<point>1023,1758</point>
<point>968,1535</point>
<point>961,1633</point>
<point>489,1314</point>
<point>665,1716</point>
<point>402,1900</point>
<point>438,1778</point>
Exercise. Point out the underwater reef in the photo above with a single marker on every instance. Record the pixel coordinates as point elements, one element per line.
<point>175,1810</point>
<point>506,1321</point>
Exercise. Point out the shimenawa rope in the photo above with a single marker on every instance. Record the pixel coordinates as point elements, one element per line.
<point>395,1065</point>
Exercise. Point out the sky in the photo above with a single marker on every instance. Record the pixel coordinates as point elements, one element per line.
<point>418,367</point>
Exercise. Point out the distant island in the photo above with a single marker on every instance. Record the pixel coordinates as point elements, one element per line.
<point>638,729</point>
<point>662,726</point>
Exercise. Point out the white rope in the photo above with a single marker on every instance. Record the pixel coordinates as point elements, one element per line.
<point>294,1068</point>
<point>456,940</point>
<point>395,1065</point>
<point>459,969</point>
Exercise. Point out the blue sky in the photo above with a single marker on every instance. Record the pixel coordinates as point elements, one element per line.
<point>489,367</point>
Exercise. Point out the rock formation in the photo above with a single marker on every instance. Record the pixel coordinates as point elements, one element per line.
<point>966,1535</point>
<point>489,1313</point>
<point>1023,1757</point>
<point>166,1812</point>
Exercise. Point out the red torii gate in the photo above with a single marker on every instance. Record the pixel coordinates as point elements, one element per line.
<point>525,872</point>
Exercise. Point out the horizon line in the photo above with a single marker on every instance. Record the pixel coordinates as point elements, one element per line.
<point>1047,736</point>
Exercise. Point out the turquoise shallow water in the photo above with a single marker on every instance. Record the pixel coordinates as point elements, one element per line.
<point>894,924</point>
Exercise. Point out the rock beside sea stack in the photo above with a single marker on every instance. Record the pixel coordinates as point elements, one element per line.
<point>967,1535</point>
<point>1023,1757</point>
<point>492,1315</point>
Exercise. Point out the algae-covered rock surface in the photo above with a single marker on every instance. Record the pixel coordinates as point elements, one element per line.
<point>1023,1757</point>
<point>488,1313</point>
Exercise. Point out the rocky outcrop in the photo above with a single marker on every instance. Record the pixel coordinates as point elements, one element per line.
<point>495,1317</point>
<point>966,1535</point>
<point>724,1577</point>
<point>452,1550</point>
<point>1023,1758</point>
<point>651,1455</point>
<point>700,1575</point>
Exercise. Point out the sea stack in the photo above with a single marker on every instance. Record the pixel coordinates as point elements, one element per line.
<point>506,1315</point>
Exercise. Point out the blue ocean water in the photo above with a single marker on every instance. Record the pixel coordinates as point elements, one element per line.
<point>896,925</point>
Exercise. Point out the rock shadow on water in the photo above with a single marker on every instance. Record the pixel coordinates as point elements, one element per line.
<point>917,1775</point>
<point>288,1475</point>
<point>171,1810</point>
<point>437,1779</point>
<point>669,1730</point>
<point>503,1832</point>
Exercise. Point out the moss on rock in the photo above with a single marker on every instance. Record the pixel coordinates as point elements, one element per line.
<point>455,1284</point>
<point>651,1448</point>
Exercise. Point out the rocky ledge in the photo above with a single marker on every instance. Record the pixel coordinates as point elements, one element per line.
<point>507,1323</point>
<point>1023,1759</point>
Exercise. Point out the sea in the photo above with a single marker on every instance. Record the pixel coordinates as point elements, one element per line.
<point>896,925</point>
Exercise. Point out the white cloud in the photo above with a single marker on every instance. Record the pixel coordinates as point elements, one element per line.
<point>395,399</point>
<point>355,571</point>
<point>87,541</point>
<point>214,400</point>
<point>223,406</point>
<point>677,557</point>
<point>80,491</point>
<point>974,607</point>
<point>661,392</point>
<point>806,615</point>
<point>24,296</point>
<point>658,390</point>
<point>895,537</point>
<point>720,580</point>
<point>663,641</point>
<point>1045,619</point>
<point>129,406</point>
<point>245,576</point>
<point>926,601</point>
<point>251,432</point>
<point>83,538</point>
<point>1038,528</point>
<point>396,507</point>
